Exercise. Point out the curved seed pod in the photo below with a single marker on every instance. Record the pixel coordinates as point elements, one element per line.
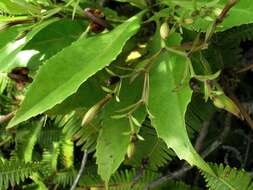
<point>92,112</point>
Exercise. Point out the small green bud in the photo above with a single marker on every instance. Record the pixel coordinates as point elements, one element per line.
<point>218,102</point>
<point>224,102</point>
<point>188,21</point>
<point>130,150</point>
<point>164,30</point>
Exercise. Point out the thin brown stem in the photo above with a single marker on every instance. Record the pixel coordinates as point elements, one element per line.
<point>96,19</point>
<point>243,111</point>
<point>5,118</point>
<point>202,135</point>
<point>5,141</point>
<point>245,69</point>
<point>220,18</point>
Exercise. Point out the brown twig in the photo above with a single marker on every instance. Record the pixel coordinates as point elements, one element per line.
<point>220,18</point>
<point>202,135</point>
<point>170,176</point>
<point>4,118</point>
<point>2,143</point>
<point>248,67</point>
<point>221,138</point>
<point>242,109</point>
<point>96,19</point>
<point>225,11</point>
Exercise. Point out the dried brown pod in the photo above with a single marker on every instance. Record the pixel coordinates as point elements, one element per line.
<point>20,75</point>
<point>98,22</point>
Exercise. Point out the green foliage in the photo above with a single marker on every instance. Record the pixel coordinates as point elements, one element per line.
<point>15,171</point>
<point>57,91</point>
<point>126,178</point>
<point>204,12</point>
<point>11,53</point>
<point>169,120</point>
<point>121,180</point>
<point>71,128</point>
<point>115,135</point>
<point>27,140</point>
<point>133,85</point>
<point>152,149</point>
<point>3,82</point>
<point>228,178</point>
<point>64,178</point>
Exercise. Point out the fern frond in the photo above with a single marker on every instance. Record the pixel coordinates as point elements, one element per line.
<point>237,34</point>
<point>49,134</point>
<point>65,178</point>
<point>226,48</point>
<point>49,159</point>
<point>84,136</point>
<point>197,112</point>
<point>27,138</point>
<point>121,180</point>
<point>13,172</point>
<point>177,185</point>
<point>152,149</point>
<point>67,153</point>
<point>55,155</point>
<point>38,181</point>
<point>228,179</point>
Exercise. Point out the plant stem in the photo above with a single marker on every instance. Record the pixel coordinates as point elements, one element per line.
<point>4,118</point>
<point>85,154</point>
<point>219,19</point>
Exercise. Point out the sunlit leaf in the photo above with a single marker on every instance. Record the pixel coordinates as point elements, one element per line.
<point>65,72</point>
<point>9,54</point>
<point>114,138</point>
<point>168,105</point>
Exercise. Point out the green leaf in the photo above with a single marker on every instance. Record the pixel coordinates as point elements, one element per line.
<point>203,78</point>
<point>73,65</point>
<point>112,146</point>
<point>8,35</point>
<point>138,3</point>
<point>52,39</point>
<point>114,137</point>
<point>9,54</point>
<point>27,137</point>
<point>86,96</point>
<point>168,105</point>
<point>241,13</point>
<point>12,8</point>
<point>31,141</point>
